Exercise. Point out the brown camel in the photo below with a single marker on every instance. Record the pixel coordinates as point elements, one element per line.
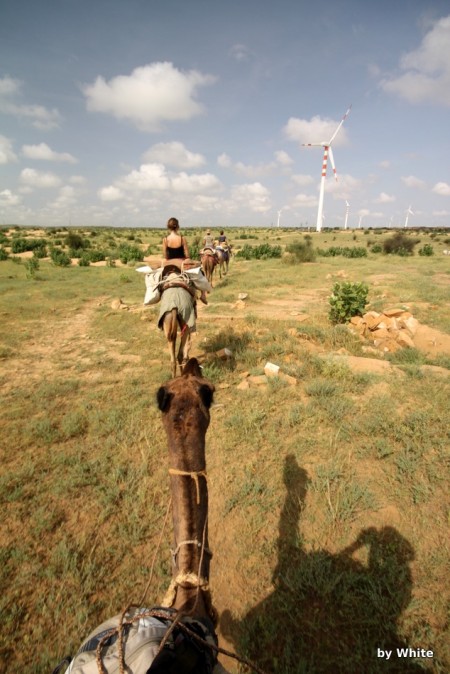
<point>185,403</point>
<point>209,262</point>
<point>223,256</point>
<point>177,310</point>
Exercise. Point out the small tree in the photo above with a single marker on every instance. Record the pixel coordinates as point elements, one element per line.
<point>399,244</point>
<point>348,299</point>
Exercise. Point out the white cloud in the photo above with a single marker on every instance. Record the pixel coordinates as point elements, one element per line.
<point>77,180</point>
<point>224,160</point>
<point>65,198</point>
<point>155,177</point>
<point>384,198</point>
<point>152,94</point>
<point>283,158</point>
<point>8,198</point>
<point>206,182</point>
<point>174,154</point>
<point>302,179</point>
<point>203,203</point>
<point>441,213</point>
<point>315,130</point>
<point>443,189</point>
<point>147,177</point>
<point>344,186</point>
<point>35,178</point>
<point>110,193</point>
<point>247,170</point>
<point>240,52</point>
<point>44,152</point>
<point>6,152</point>
<point>305,201</point>
<point>412,181</point>
<point>40,117</point>
<point>426,76</point>
<point>9,86</point>
<point>253,195</point>
<point>385,164</point>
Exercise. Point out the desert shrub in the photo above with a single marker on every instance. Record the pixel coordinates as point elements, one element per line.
<point>84,260</point>
<point>32,266</point>
<point>301,251</point>
<point>110,262</point>
<point>19,245</point>
<point>95,255</point>
<point>127,253</point>
<point>399,244</point>
<point>348,299</point>
<point>59,257</point>
<point>195,247</point>
<point>3,237</point>
<point>262,252</point>
<point>76,242</point>
<point>377,248</point>
<point>247,236</point>
<point>3,254</point>
<point>345,251</point>
<point>40,251</point>
<point>426,250</point>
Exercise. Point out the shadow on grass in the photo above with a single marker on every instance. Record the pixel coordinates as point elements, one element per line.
<point>328,613</point>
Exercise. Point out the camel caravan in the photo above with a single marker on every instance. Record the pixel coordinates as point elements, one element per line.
<point>176,285</point>
<point>178,636</point>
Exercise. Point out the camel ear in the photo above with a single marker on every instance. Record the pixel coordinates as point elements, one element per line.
<point>206,394</point>
<point>163,397</point>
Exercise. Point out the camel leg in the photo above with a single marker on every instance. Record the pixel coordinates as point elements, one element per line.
<point>185,346</point>
<point>170,326</point>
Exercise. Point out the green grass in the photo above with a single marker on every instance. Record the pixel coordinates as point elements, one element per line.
<point>329,509</point>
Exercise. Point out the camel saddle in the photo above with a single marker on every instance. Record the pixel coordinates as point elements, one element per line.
<point>174,279</point>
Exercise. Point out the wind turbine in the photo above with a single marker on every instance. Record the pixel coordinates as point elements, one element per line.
<point>279,215</point>
<point>347,211</point>
<point>326,151</point>
<point>408,213</point>
<point>360,221</point>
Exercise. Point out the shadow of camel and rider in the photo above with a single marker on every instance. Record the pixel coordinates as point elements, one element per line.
<point>328,612</point>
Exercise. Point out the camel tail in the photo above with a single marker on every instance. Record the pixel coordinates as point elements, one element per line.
<point>172,335</point>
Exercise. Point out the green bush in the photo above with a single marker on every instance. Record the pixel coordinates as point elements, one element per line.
<point>348,299</point>
<point>334,251</point>
<point>3,254</point>
<point>59,258</point>
<point>32,266</point>
<point>127,253</point>
<point>95,255</point>
<point>399,244</point>
<point>76,242</point>
<point>301,252</point>
<point>84,260</point>
<point>21,245</point>
<point>426,250</point>
<point>262,252</point>
<point>377,248</point>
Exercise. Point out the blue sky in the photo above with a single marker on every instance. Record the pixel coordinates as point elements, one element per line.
<point>128,113</point>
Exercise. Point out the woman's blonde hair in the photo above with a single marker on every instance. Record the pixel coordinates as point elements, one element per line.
<point>173,224</point>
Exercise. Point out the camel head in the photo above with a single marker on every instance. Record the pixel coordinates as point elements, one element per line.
<point>185,402</point>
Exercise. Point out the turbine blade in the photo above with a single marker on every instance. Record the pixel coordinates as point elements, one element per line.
<point>341,123</point>
<point>332,163</point>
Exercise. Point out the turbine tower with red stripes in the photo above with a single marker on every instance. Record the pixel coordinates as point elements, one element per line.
<point>326,151</point>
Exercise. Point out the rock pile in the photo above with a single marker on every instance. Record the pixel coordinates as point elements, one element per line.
<point>389,331</point>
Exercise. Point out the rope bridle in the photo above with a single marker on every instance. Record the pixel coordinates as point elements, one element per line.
<point>194,474</point>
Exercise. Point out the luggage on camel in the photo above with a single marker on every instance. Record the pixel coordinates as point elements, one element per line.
<point>142,634</point>
<point>188,272</point>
